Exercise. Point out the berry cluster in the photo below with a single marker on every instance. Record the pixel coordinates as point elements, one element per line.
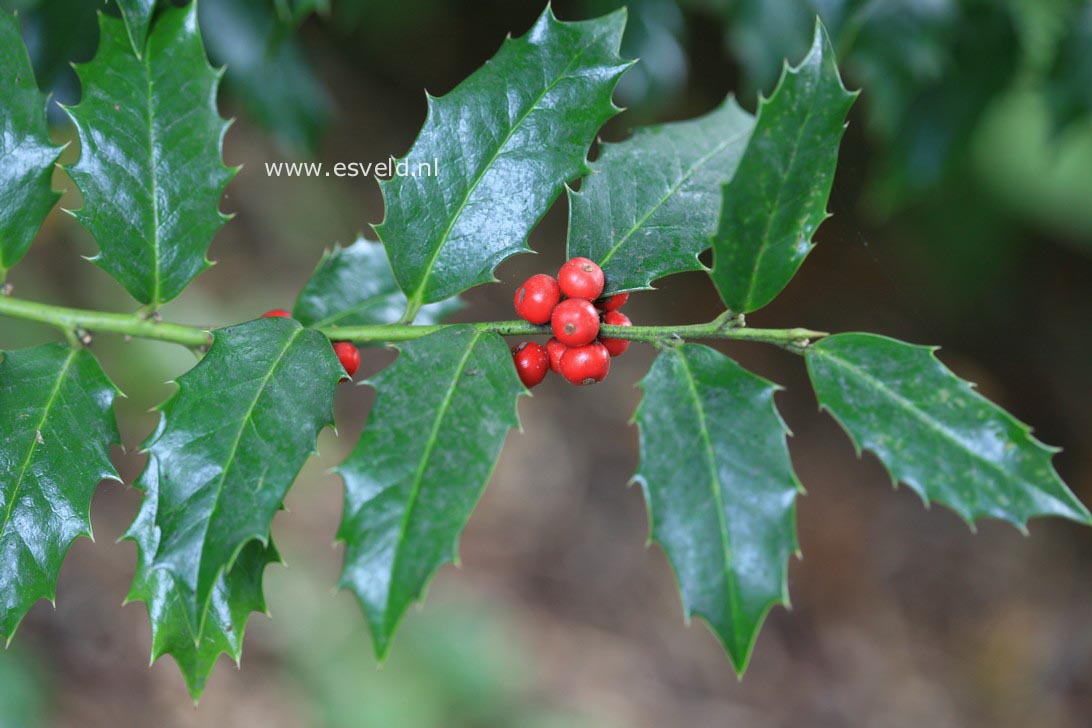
<point>347,354</point>
<point>572,305</point>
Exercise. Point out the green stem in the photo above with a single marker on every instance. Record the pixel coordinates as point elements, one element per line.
<point>71,320</point>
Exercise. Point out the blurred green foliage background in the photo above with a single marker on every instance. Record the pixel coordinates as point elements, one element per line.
<point>962,216</point>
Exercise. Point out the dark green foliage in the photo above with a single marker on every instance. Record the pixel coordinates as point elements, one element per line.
<point>150,166</point>
<point>28,155</point>
<point>720,489</point>
<point>55,436</point>
<point>935,433</point>
<point>441,414</point>
<point>505,141</point>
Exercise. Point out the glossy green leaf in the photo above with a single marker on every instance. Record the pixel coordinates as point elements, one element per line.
<point>232,439</point>
<point>354,286</point>
<point>932,431</point>
<point>150,166</point>
<point>652,203</point>
<point>720,489</point>
<point>431,442</point>
<point>55,436</point>
<point>778,195</point>
<point>236,594</point>
<point>137,14</point>
<point>27,155</point>
<point>503,143</point>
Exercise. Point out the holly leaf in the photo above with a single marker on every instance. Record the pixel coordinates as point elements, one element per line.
<point>237,593</point>
<point>150,168</point>
<point>501,146</point>
<point>650,207</point>
<point>431,442</point>
<point>720,489</point>
<point>778,195</point>
<point>354,286</point>
<point>137,15</point>
<point>932,431</point>
<point>55,437</point>
<point>27,153</point>
<point>231,441</point>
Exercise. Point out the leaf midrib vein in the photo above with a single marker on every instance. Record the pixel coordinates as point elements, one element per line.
<point>235,448</point>
<point>673,189</point>
<point>50,401</point>
<point>146,66</point>
<point>418,294</point>
<point>418,478</point>
<point>764,244</point>
<point>918,414</point>
<point>714,481</point>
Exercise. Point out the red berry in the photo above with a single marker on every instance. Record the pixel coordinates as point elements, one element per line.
<point>616,346</point>
<point>554,350</point>
<point>532,363</point>
<point>613,303</point>
<point>581,278</point>
<point>348,355</point>
<point>585,364</point>
<point>575,322</point>
<point>277,313</point>
<point>536,298</point>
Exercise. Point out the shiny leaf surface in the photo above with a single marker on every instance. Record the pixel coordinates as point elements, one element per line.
<point>55,436</point>
<point>236,594</point>
<point>231,441</point>
<point>431,442</point>
<point>778,195</point>
<point>150,165</point>
<point>503,143</point>
<point>137,14</point>
<point>26,153</point>
<point>354,286</point>
<point>720,489</point>
<point>932,431</point>
<point>652,203</point>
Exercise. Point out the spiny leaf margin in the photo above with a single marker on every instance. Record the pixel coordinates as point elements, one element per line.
<point>151,184</point>
<point>898,401</point>
<point>651,203</point>
<point>440,418</point>
<point>446,233</point>
<point>694,395</point>
<point>58,406</point>
<point>26,195</point>
<point>270,375</point>
<point>778,195</point>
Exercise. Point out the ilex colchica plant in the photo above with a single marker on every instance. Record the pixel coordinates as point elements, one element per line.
<point>511,138</point>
